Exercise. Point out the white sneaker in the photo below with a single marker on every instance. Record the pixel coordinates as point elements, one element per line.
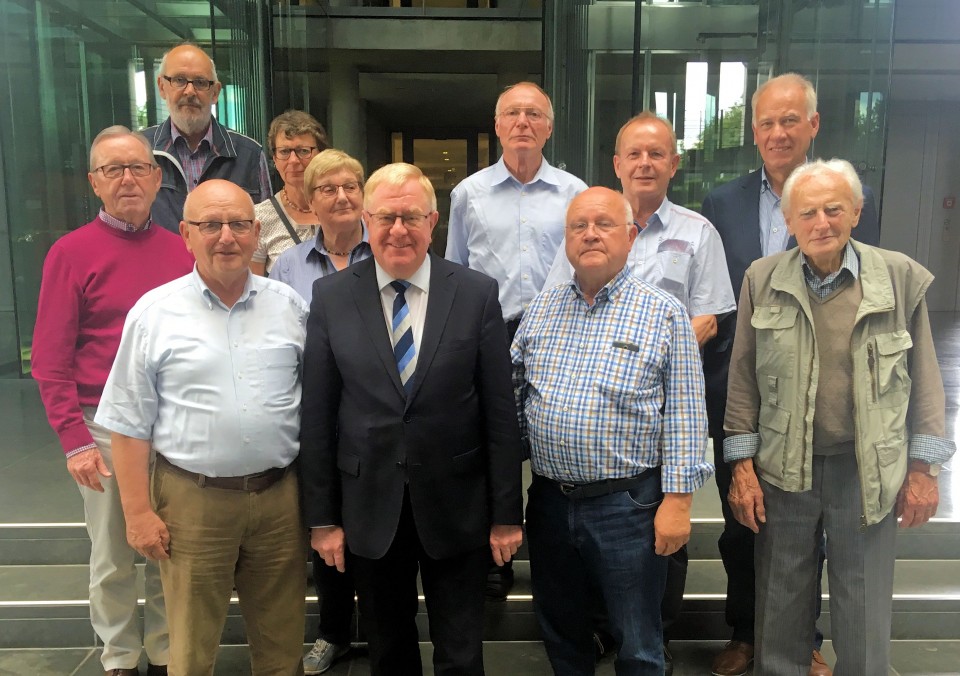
<point>322,656</point>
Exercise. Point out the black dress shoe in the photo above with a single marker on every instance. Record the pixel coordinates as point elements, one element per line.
<point>156,670</point>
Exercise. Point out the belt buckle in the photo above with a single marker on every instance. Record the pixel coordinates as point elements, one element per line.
<point>567,488</point>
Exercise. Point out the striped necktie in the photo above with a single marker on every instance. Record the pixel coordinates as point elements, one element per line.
<point>403,348</point>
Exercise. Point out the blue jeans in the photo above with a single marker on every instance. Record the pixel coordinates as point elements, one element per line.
<point>604,543</point>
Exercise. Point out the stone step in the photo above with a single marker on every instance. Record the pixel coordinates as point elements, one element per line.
<point>47,606</point>
<point>67,543</point>
<point>516,658</point>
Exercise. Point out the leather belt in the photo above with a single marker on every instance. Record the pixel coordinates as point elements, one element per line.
<point>595,489</point>
<point>252,483</point>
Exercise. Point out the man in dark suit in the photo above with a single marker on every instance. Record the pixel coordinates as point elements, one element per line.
<point>410,448</point>
<point>746,213</point>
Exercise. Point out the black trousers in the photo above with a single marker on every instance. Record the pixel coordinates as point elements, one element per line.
<point>335,593</point>
<point>453,588</point>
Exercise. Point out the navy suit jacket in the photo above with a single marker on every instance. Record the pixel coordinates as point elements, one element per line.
<point>453,443</point>
<point>734,210</point>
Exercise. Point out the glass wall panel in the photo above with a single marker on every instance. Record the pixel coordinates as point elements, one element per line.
<point>698,64</point>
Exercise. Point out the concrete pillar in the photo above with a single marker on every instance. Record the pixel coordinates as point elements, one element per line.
<point>346,115</point>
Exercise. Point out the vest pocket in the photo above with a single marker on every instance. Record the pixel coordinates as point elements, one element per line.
<point>887,360</point>
<point>776,339</point>
<point>773,424</point>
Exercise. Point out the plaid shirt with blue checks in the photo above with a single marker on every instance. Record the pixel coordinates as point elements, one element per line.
<point>605,391</point>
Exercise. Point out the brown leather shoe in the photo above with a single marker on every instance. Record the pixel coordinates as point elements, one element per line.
<point>733,660</point>
<point>156,670</point>
<point>122,672</point>
<point>818,666</point>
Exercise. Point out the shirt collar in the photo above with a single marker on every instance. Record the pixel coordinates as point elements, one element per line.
<point>610,291</point>
<point>210,298</point>
<point>850,262</point>
<point>419,279</point>
<point>765,184</point>
<point>659,217</point>
<point>120,224</point>
<point>545,173</point>
<point>175,134</point>
<point>320,248</point>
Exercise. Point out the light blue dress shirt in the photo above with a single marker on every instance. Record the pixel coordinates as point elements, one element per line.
<point>680,252</point>
<point>301,265</point>
<point>773,227</point>
<point>605,391</point>
<point>509,230</point>
<point>216,389</point>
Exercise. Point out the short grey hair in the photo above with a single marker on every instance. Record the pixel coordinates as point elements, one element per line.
<point>188,43</point>
<point>788,79</point>
<point>116,131</point>
<point>818,168</point>
<point>532,85</point>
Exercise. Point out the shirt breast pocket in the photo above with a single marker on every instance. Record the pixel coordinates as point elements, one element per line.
<point>278,369</point>
<point>620,371</point>
<point>776,339</point>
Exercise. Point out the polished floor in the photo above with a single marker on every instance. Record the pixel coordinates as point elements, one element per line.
<point>35,489</point>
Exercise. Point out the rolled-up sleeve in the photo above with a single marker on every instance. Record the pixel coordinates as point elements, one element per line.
<point>927,412</point>
<point>743,396</point>
<point>129,403</point>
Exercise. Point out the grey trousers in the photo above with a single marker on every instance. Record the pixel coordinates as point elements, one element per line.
<point>859,567</point>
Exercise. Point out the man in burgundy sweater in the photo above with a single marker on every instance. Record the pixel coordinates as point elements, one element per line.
<point>91,278</point>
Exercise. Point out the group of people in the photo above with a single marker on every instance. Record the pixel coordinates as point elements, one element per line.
<point>372,401</point>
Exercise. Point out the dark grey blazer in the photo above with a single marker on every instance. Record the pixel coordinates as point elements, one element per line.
<point>454,442</point>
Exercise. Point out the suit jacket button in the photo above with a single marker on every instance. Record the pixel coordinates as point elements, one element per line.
<point>407,418</point>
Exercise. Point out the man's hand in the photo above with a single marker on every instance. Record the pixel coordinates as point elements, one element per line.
<point>918,499</point>
<point>330,543</point>
<point>87,467</point>
<point>148,534</point>
<point>705,328</point>
<point>671,525</point>
<point>746,496</point>
<point>504,542</point>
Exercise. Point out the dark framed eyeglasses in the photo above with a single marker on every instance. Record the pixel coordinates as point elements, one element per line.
<point>211,228</point>
<point>331,189</point>
<point>303,152</point>
<point>138,169</point>
<point>410,221</point>
<point>201,84</point>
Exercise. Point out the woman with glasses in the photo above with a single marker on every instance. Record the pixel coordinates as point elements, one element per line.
<point>286,219</point>
<point>334,188</point>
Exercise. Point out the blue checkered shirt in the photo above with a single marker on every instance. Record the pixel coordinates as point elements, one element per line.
<point>609,390</point>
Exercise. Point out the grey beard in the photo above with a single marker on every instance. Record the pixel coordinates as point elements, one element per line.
<point>190,125</point>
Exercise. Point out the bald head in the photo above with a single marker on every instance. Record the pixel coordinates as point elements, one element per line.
<point>221,232</point>
<point>599,235</point>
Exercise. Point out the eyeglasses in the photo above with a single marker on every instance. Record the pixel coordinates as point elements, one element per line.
<point>533,114</point>
<point>201,84</point>
<point>303,152</point>
<point>349,188</point>
<point>138,169</point>
<point>210,228</point>
<point>580,227</point>
<point>411,221</point>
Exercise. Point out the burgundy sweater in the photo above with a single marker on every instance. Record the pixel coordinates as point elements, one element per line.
<point>91,278</point>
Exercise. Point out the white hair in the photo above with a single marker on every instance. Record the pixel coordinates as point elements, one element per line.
<point>817,168</point>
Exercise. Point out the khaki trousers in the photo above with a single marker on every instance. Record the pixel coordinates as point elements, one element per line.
<point>114,613</point>
<point>225,539</point>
